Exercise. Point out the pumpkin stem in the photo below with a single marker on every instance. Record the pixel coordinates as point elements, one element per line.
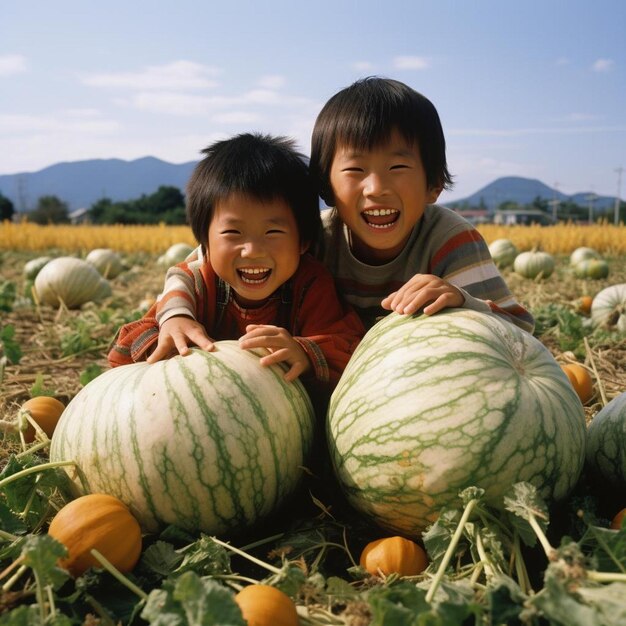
<point>245,555</point>
<point>7,537</point>
<point>109,567</point>
<point>33,470</point>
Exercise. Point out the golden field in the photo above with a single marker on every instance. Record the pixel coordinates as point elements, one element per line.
<point>608,239</point>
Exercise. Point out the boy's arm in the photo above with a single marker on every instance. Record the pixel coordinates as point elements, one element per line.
<point>464,267</point>
<point>134,340</point>
<point>329,330</point>
<point>184,295</point>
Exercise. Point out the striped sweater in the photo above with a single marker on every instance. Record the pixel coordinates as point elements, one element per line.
<point>443,244</point>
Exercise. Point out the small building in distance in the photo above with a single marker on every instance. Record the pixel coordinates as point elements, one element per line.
<point>79,216</point>
<point>524,217</point>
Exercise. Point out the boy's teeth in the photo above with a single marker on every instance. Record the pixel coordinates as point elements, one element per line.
<point>378,212</point>
<point>254,274</point>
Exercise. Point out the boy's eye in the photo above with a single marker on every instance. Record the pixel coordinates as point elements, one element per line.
<point>352,169</point>
<point>275,231</point>
<point>399,166</point>
<point>230,231</point>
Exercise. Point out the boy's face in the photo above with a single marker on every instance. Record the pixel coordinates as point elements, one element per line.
<point>254,246</point>
<point>380,195</point>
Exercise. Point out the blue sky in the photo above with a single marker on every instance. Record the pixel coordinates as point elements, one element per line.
<point>534,88</point>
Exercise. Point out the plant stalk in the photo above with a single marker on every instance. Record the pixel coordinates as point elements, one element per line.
<point>447,557</point>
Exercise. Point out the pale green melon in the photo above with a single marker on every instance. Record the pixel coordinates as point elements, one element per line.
<point>431,405</point>
<point>212,441</point>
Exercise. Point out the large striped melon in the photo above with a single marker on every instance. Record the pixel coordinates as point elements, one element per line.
<point>430,405</point>
<point>606,444</point>
<point>212,441</point>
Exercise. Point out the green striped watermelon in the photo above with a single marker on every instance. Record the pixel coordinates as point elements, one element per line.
<point>212,441</point>
<point>606,443</point>
<point>431,405</point>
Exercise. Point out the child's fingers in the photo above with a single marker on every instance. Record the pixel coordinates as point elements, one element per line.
<point>199,338</point>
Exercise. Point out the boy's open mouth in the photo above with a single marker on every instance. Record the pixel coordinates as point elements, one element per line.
<point>380,218</point>
<point>254,275</point>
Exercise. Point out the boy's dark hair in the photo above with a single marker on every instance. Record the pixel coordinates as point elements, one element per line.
<point>364,115</point>
<point>264,167</point>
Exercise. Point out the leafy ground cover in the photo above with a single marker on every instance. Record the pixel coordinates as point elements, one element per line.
<point>527,565</point>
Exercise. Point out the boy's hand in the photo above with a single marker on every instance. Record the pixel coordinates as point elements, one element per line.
<point>282,346</point>
<point>176,335</point>
<point>423,290</point>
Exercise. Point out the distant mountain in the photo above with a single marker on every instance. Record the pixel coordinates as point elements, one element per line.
<point>524,191</point>
<point>82,183</point>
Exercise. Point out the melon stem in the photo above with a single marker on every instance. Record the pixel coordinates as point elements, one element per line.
<point>447,557</point>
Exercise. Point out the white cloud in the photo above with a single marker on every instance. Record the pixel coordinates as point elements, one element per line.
<point>174,103</point>
<point>514,132</point>
<point>236,117</point>
<point>603,65</point>
<point>176,75</point>
<point>272,81</point>
<point>363,66</point>
<point>17,124</point>
<point>411,63</point>
<point>12,64</point>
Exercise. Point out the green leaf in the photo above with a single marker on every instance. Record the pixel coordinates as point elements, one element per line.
<point>525,502</point>
<point>7,295</point>
<point>192,601</point>
<point>204,557</point>
<point>438,535</point>
<point>606,547</point>
<point>399,605</point>
<point>561,608</point>
<point>38,388</point>
<point>161,558</point>
<point>32,493</point>
<point>609,602</point>
<point>41,553</point>
<point>93,370</point>
<point>290,579</point>
<point>505,600</point>
<point>10,347</point>
<point>9,522</point>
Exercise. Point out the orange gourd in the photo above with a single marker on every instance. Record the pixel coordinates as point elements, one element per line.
<point>393,555</point>
<point>616,523</point>
<point>580,379</point>
<point>97,521</point>
<point>46,411</point>
<point>583,304</point>
<point>263,605</point>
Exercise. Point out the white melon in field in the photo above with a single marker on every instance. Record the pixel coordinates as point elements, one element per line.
<point>70,281</point>
<point>608,308</point>
<point>106,261</point>
<point>212,441</point>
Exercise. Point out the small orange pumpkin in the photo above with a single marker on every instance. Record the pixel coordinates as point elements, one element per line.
<point>580,379</point>
<point>264,605</point>
<point>97,521</point>
<point>393,555</point>
<point>46,411</point>
<point>616,524</point>
<point>583,304</point>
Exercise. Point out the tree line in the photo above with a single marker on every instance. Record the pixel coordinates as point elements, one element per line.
<point>166,205</point>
